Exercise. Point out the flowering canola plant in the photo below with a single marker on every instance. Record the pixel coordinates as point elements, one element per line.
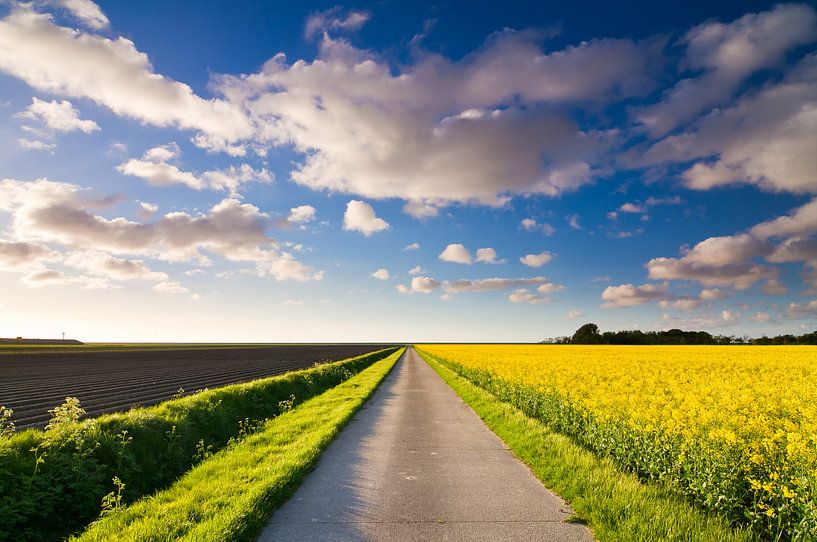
<point>732,428</point>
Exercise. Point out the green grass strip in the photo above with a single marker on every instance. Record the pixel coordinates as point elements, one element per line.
<point>231,495</point>
<point>614,504</point>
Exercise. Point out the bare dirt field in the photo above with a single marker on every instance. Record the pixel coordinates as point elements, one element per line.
<point>33,382</point>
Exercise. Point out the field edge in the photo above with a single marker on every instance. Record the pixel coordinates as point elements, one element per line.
<point>615,504</point>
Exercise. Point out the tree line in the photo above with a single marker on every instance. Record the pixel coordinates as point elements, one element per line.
<point>590,334</point>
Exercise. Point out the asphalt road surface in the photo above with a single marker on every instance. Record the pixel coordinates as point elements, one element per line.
<point>416,463</point>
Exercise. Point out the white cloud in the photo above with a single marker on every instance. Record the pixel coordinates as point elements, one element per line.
<point>58,116</point>
<point>487,255</point>
<point>456,253</point>
<point>712,294</point>
<point>774,287</point>
<point>301,214</point>
<point>537,260</point>
<point>334,19</point>
<point>412,246</point>
<point>762,317</point>
<point>683,303</point>
<point>110,72</point>
<point>85,11</point>
<point>802,310</point>
<point>573,222</point>
<point>436,131</point>
<point>629,295</point>
<point>530,224</point>
<point>360,216</point>
<point>575,313</point>
<point>155,168</point>
<point>50,277</point>
<point>35,145</point>
<point>493,284</point>
<point>293,302</point>
<point>728,316</point>
<point>765,139</point>
<point>171,288</point>
<point>52,212</point>
<point>381,274</point>
<point>99,263</point>
<point>20,255</point>
<point>420,209</point>
<point>416,270</point>
<point>526,296</point>
<point>423,285</point>
<point>147,210</point>
<point>549,288</point>
<point>631,208</point>
<point>727,54</point>
<point>669,200</point>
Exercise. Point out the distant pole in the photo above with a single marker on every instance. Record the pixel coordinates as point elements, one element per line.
<point>63,336</point>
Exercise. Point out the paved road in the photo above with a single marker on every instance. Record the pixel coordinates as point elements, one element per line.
<point>417,464</point>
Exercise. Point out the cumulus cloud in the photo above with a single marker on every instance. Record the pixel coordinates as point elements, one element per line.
<point>412,246</point>
<point>20,255</point>
<point>439,131</point>
<point>147,210</point>
<point>171,287</point>
<point>456,253</point>
<point>52,212</point>
<point>493,284</point>
<point>575,313</point>
<point>381,274</point>
<point>487,255</point>
<point>530,224</point>
<point>423,285</point>
<point>631,208</point>
<point>765,139</point>
<point>427,284</point>
<point>629,295</point>
<point>99,263</point>
<point>416,270</point>
<point>802,310</point>
<point>301,214</point>
<point>111,72</point>
<point>713,294</point>
<point>85,11</point>
<point>726,54</point>
<point>537,260</point>
<point>526,296</point>
<point>58,116</point>
<point>50,277</point>
<point>360,216</point>
<point>156,169</point>
<point>36,145</point>
<point>334,19</point>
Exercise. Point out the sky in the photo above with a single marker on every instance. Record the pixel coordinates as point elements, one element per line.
<point>402,171</point>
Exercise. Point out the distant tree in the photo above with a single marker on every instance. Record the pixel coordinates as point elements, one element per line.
<point>587,334</point>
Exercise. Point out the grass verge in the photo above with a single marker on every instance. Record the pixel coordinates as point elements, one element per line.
<point>229,496</point>
<point>615,505</point>
<point>53,482</point>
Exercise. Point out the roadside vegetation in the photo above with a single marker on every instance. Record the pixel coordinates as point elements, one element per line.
<point>231,494</point>
<point>55,481</point>
<point>615,504</point>
<point>732,430</point>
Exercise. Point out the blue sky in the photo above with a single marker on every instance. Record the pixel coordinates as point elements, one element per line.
<point>248,171</point>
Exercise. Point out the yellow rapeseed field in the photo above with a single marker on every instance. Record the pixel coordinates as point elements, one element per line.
<point>734,428</point>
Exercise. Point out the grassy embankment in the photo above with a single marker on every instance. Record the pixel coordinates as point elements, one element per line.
<point>229,496</point>
<point>52,482</point>
<point>615,504</point>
